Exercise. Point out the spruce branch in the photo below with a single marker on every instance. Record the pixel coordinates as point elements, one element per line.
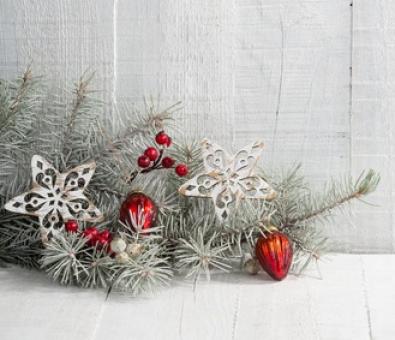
<point>142,274</point>
<point>338,196</point>
<point>187,236</point>
<point>15,104</point>
<point>81,92</point>
<point>62,259</point>
<point>198,254</point>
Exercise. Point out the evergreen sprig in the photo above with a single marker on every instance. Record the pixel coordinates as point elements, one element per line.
<point>188,239</point>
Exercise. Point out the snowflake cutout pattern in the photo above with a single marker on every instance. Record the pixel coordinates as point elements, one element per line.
<point>227,179</point>
<point>57,197</point>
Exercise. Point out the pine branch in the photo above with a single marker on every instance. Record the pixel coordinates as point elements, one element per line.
<point>365,184</point>
<point>81,93</point>
<point>17,101</point>
<point>80,109</point>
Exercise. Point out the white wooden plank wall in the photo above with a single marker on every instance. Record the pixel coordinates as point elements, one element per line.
<point>312,78</point>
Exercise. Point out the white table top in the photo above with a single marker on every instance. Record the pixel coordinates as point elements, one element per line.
<point>354,300</point>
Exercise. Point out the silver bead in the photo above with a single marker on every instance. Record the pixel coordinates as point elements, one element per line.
<point>134,249</point>
<point>251,266</point>
<point>122,257</point>
<point>118,245</point>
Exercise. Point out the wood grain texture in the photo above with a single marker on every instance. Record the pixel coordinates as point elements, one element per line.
<point>62,39</point>
<point>373,120</point>
<point>312,78</point>
<point>180,50</point>
<point>354,299</point>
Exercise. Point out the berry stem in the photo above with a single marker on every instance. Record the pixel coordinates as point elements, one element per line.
<point>155,166</point>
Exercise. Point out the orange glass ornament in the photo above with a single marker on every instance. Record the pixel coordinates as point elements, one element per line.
<point>274,253</point>
<point>138,210</point>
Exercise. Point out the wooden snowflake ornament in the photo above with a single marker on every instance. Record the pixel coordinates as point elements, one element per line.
<point>57,197</point>
<point>227,179</point>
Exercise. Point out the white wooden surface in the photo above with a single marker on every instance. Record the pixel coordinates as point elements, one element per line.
<point>313,78</point>
<point>355,299</point>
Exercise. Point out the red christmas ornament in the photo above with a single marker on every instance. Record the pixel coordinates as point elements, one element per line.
<point>162,138</point>
<point>275,253</point>
<point>140,208</point>
<point>181,170</point>
<point>143,161</point>
<point>167,162</point>
<point>151,153</point>
<point>71,226</point>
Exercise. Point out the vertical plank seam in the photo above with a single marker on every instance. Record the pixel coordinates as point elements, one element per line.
<point>181,320</point>
<point>280,86</point>
<point>350,99</point>
<point>233,62</point>
<point>366,298</point>
<point>236,313</point>
<point>98,320</point>
<point>350,90</point>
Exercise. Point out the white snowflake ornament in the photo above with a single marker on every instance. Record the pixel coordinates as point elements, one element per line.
<point>57,197</point>
<point>227,179</point>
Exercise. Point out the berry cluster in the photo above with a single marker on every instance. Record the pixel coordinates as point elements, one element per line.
<point>94,236</point>
<point>153,159</point>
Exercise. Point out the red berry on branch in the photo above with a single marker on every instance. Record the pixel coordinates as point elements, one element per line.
<point>162,138</point>
<point>91,234</point>
<point>71,226</point>
<point>143,161</point>
<point>105,234</point>
<point>181,170</point>
<point>167,162</point>
<point>169,142</point>
<point>102,241</point>
<point>151,153</point>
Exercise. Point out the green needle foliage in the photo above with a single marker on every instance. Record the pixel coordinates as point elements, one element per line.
<point>188,239</point>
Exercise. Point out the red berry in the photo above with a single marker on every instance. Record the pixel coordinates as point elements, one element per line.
<point>105,234</point>
<point>71,226</point>
<point>169,142</point>
<point>91,234</point>
<point>101,241</point>
<point>181,170</point>
<point>167,162</point>
<point>162,138</point>
<point>143,161</point>
<point>151,153</point>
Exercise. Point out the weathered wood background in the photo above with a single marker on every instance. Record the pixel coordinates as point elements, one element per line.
<point>312,78</point>
<point>354,300</point>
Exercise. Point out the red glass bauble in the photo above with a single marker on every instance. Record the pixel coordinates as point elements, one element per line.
<point>140,208</point>
<point>274,253</point>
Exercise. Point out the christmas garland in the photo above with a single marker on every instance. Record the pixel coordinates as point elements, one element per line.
<point>122,207</point>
